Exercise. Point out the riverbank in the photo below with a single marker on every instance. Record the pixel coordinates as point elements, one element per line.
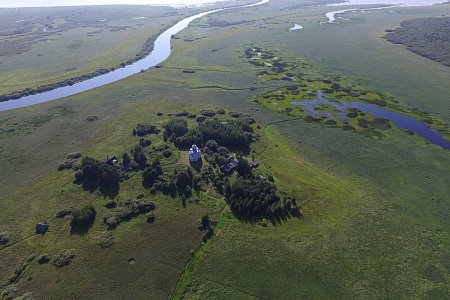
<point>139,63</point>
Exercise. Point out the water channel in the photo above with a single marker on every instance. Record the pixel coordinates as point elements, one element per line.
<point>399,120</point>
<point>160,53</point>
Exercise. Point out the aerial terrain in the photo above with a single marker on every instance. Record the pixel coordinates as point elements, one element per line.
<point>324,166</point>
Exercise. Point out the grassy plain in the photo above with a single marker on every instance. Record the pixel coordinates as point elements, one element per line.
<point>375,211</point>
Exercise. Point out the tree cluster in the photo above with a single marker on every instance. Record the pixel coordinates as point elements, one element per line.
<point>234,134</point>
<point>144,129</point>
<point>151,173</point>
<point>178,127</point>
<point>428,37</point>
<point>139,156</point>
<point>131,209</point>
<point>95,172</point>
<point>252,196</point>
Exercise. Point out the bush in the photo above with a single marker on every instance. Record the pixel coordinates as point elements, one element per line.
<point>79,176</point>
<point>110,204</point>
<point>69,163</point>
<point>206,222</point>
<point>167,153</point>
<point>208,112</point>
<point>84,217</point>
<point>4,237</point>
<point>9,292</point>
<point>200,118</point>
<point>143,129</point>
<point>112,221</point>
<point>151,217</point>
<point>144,142</point>
<point>26,296</point>
<point>44,258</point>
<point>63,258</point>
<point>63,212</point>
<point>74,155</point>
<point>106,240</point>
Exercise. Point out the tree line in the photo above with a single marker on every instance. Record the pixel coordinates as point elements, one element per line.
<point>428,37</point>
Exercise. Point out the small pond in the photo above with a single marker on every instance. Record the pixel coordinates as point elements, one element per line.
<point>403,122</point>
<point>296,27</point>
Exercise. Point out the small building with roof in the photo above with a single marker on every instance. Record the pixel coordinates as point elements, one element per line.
<point>254,164</point>
<point>194,153</point>
<point>41,227</point>
<point>233,161</point>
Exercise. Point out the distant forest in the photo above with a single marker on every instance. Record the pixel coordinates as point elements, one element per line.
<point>428,37</point>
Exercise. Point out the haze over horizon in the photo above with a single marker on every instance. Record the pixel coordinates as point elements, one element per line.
<point>44,3</point>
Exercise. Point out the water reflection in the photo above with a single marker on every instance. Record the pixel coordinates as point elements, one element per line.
<point>401,121</point>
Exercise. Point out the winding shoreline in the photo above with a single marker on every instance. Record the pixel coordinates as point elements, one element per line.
<point>161,51</point>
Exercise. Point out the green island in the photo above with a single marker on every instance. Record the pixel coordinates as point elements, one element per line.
<point>102,197</point>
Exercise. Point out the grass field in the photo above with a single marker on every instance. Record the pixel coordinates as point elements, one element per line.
<point>375,212</point>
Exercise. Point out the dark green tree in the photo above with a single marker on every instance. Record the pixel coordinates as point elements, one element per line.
<point>243,167</point>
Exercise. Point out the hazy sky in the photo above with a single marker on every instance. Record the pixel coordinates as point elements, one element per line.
<point>24,3</point>
<point>30,3</point>
<point>406,2</point>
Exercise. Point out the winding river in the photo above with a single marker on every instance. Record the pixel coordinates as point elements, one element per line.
<point>161,52</point>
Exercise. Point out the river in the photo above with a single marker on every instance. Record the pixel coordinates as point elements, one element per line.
<point>161,52</point>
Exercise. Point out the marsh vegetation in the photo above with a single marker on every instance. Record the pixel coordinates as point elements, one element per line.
<point>374,211</point>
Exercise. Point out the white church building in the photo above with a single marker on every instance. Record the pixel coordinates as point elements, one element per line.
<point>194,153</point>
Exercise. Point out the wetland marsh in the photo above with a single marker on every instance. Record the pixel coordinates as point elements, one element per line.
<point>374,199</point>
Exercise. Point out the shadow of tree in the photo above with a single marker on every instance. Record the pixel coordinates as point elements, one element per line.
<point>81,229</point>
<point>275,219</point>
<point>110,192</point>
<point>197,165</point>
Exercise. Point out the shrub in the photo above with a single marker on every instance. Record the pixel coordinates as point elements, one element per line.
<point>112,221</point>
<point>200,118</point>
<point>144,142</point>
<point>69,163</point>
<point>83,217</point>
<point>167,153</point>
<point>206,222</point>
<point>63,212</point>
<point>74,155</point>
<point>106,240</point>
<point>151,217</point>
<point>63,258</point>
<point>26,296</point>
<point>9,292</point>
<point>182,114</point>
<point>4,237</point>
<point>79,176</point>
<point>44,258</point>
<point>208,112</point>
<point>221,111</point>
<point>143,129</point>
<point>110,204</point>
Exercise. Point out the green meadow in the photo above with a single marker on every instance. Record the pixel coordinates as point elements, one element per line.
<point>374,211</point>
